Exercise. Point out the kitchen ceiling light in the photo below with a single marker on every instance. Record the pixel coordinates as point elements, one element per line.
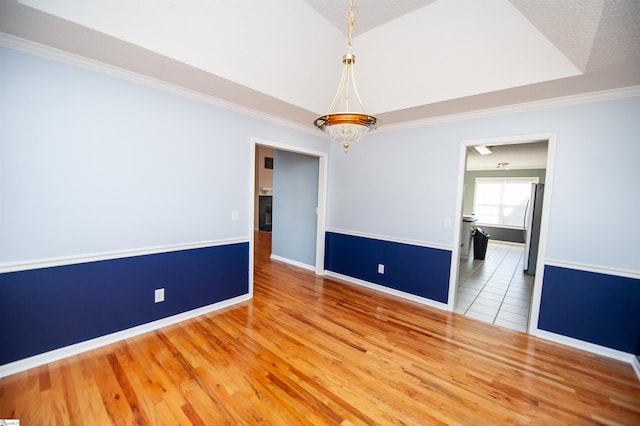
<point>347,127</point>
<point>482,150</point>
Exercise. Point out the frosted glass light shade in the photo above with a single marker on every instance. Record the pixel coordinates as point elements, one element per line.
<point>346,127</point>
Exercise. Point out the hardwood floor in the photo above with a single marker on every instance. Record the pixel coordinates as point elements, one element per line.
<point>312,350</point>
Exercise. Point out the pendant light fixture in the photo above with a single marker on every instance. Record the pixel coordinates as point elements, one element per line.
<point>347,127</point>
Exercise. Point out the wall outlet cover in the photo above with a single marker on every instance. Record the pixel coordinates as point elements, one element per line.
<point>159,295</point>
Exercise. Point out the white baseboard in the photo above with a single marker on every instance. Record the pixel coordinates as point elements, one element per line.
<point>57,354</point>
<point>636,366</point>
<point>585,346</point>
<point>388,290</point>
<point>293,262</point>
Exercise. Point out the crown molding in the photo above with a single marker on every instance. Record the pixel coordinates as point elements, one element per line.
<point>58,55</point>
<point>598,96</point>
<point>62,56</point>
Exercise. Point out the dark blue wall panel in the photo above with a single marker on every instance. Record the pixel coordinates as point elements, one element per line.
<point>597,308</point>
<point>418,270</point>
<point>49,308</point>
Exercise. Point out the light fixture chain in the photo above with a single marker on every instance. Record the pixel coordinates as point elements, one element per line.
<point>352,21</point>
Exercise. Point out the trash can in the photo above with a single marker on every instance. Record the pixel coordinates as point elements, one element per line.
<point>480,242</point>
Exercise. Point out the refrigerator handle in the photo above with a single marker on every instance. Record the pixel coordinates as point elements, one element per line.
<point>524,221</point>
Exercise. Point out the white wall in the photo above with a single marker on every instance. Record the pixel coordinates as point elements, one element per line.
<point>402,184</point>
<point>92,164</point>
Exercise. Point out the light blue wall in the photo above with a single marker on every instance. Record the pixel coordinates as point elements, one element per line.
<point>91,164</point>
<point>295,198</point>
<point>403,184</point>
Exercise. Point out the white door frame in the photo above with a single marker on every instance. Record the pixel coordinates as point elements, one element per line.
<point>551,137</point>
<point>322,198</point>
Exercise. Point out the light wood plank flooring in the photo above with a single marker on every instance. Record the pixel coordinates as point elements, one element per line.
<point>311,350</point>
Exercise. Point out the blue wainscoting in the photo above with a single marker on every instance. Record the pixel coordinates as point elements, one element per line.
<point>418,270</point>
<point>50,308</point>
<point>598,308</point>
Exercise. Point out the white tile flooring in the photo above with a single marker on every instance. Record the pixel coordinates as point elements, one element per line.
<point>496,290</point>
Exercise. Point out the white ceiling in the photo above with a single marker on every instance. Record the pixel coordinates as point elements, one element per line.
<point>532,155</point>
<point>416,59</point>
<point>369,13</point>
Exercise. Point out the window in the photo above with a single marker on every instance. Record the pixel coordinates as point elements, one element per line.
<point>502,201</point>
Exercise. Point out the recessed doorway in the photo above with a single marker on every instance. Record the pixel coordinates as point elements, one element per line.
<point>488,281</point>
<point>256,190</point>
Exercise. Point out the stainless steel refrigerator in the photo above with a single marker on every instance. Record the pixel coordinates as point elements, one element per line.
<point>532,219</point>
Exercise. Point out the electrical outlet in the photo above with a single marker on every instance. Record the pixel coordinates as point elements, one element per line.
<point>235,215</point>
<point>380,268</point>
<point>447,222</point>
<point>159,295</point>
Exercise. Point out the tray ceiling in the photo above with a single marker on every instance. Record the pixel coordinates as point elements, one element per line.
<point>416,59</point>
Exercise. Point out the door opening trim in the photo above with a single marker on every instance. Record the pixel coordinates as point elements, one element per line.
<point>550,137</point>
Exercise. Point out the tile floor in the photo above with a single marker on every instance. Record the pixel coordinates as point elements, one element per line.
<point>496,290</point>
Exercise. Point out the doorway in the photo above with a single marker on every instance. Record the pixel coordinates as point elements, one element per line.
<point>496,289</point>
<point>295,200</point>
<point>322,165</point>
